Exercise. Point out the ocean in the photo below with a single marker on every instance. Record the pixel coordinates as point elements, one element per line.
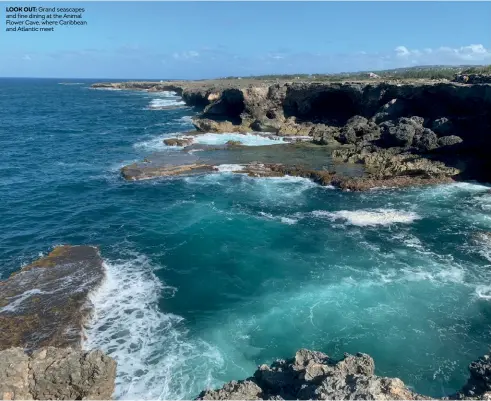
<point>211,275</point>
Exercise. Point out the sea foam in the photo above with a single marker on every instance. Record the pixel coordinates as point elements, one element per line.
<point>152,348</point>
<point>157,104</point>
<point>364,218</point>
<point>245,139</point>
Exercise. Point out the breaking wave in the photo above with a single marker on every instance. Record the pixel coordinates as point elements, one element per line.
<point>159,104</point>
<point>152,348</point>
<point>363,218</point>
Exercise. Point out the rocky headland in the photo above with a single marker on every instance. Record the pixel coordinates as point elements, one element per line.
<point>421,131</point>
<point>43,310</point>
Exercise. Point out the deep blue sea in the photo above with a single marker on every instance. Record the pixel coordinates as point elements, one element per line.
<point>209,276</point>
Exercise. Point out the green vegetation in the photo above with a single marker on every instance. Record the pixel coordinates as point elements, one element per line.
<point>421,72</point>
<point>480,69</point>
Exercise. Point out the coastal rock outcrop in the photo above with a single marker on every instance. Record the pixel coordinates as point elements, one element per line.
<point>56,373</point>
<point>178,141</point>
<point>447,122</point>
<point>46,303</point>
<point>312,375</point>
<point>139,171</point>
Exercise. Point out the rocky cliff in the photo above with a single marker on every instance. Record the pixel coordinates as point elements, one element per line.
<point>447,122</point>
<point>313,375</point>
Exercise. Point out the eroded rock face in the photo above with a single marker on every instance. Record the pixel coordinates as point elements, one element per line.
<point>314,375</point>
<point>56,373</point>
<point>46,303</point>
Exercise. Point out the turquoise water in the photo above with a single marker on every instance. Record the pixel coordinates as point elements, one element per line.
<point>209,276</point>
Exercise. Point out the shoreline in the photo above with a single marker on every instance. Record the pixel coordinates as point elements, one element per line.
<point>387,127</point>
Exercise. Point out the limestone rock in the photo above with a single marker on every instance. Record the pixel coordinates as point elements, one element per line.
<point>426,141</point>
<point>207,125</point>
<point>138,171</point>
<point>178,141</point>
<point>359,128</point>
<point>46,303</point>
<point>56,373</point>
<point>314,375</point>
<point>449,140</point>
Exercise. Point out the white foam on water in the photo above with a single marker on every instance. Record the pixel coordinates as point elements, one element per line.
<point>157,143</point>
<point>184,120</point>
<point>156,359</point>
<point>157,104</point>
<point>450,190</point>
<point>483,291</point>
<point>229,168</point>
<point>106,89</point>
<point>165,94</point>
<point>282,219</point>
<point>365,218</point>
<point>245,139</point>
<point>288,220</point>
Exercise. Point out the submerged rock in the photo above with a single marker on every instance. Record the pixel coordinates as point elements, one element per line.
<point>46,303</point>
<point>56,373</point>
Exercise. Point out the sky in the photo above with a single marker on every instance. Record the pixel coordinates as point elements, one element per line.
<point>193,40</point>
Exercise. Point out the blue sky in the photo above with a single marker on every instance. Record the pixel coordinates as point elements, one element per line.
<point>192,40</point>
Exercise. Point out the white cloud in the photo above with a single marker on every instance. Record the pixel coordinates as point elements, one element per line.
<point>402,51</point>
<point>473,53</point>
<point>276,56</point>
<point>186,55</point>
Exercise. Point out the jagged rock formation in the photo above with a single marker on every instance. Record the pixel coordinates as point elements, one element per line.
<point>448,122</point>
<point>313,375</point>
<point>46,303</point>
<point>56,373</point>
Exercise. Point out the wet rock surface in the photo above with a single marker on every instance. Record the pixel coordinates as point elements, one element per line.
<point>143,171</point>
<point>56,373</point>
<point>450,121</point>
<point>312,375</point>
<point>46,302</point>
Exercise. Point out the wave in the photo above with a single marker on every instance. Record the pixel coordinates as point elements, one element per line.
<point>283,219</point>
<point>184,120</point>
<point>364,218</point>
<point>158,104</point>
<point>245,139</point>
<point>166,94</point>
<point>157,143</point>
<point>483,291</point>
<point>156,358</point>
<point>106,89</point>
